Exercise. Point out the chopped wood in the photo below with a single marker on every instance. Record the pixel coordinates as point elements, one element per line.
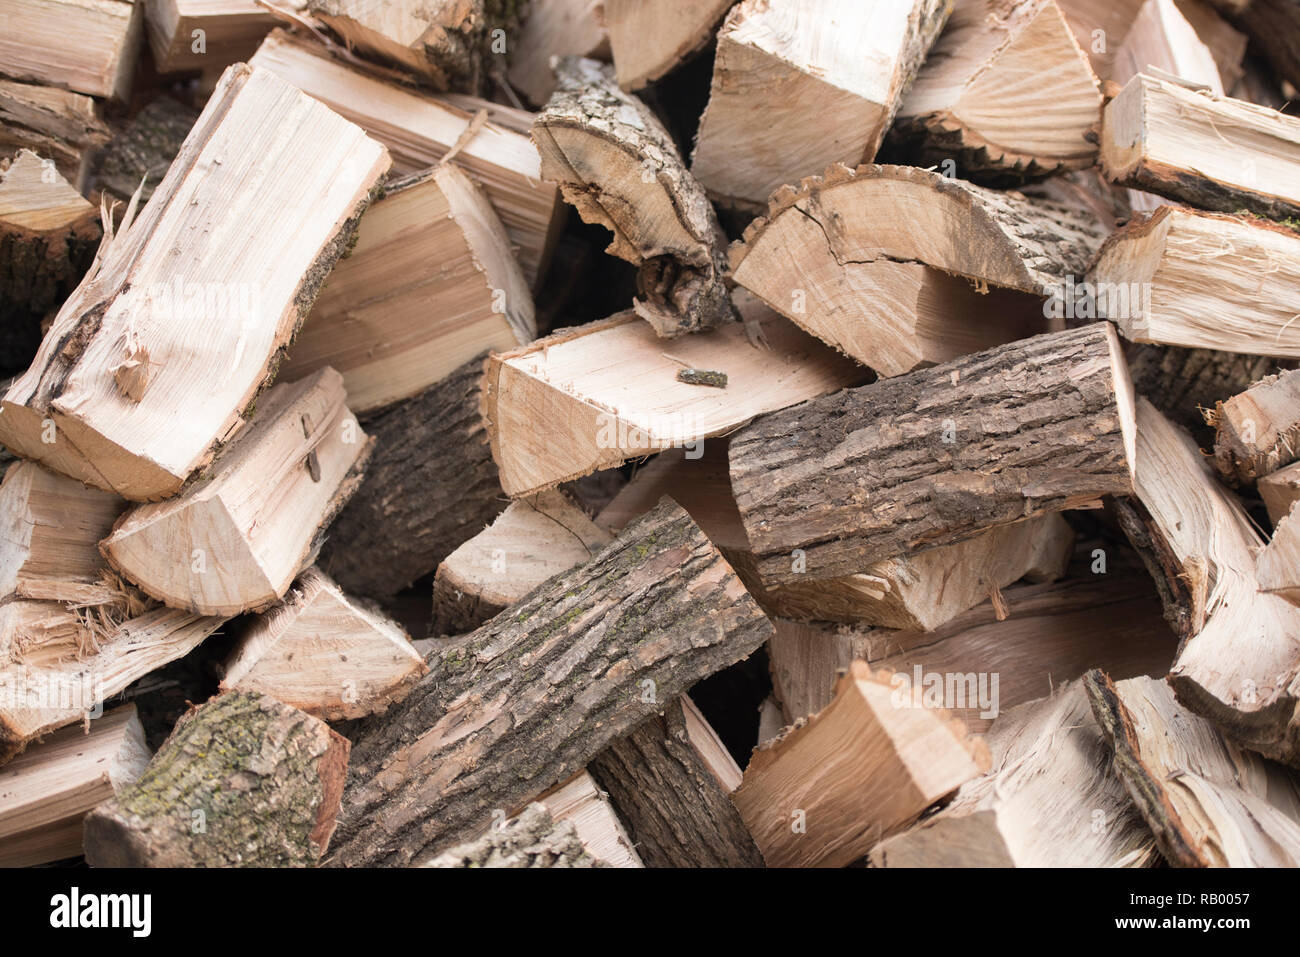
<point>994,68</point>
<point>325,653</point>
<point>610,394</point>
<point>430,486</point>
<point>1191,278</point>
<point>143,148</point>
<point>580,800</point>
<point>533,839</point>
<point>53,123</point>
<point>1226,44</point>
<point>789,71</point>
<point>420,130</point>
<point>619,168</point>
<point>534,539</point>
<point>1162,40</point>
<point>1258,431</point>
<point>1278,566</point>
<point>660,588</point>
<point>556,28</point>
<point>1040,425</point>
<point>1212,152</point>
<point>1280,490</point>
<point>649,40</point>
<point>1208,802</point>
<point>87,46</point>
<point>431,283</point>
<point>46,792</point>
<point>195,34</point>
<point>1100,26</point>
<point>828,790</point>
<point>1239,657</point>
<point>670,780</point>
<point>117,369</point>
<point>48,237</point>
<point>215,795</point>
<point>1050,800</point>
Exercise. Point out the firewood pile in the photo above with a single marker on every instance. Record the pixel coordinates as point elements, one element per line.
<point>650,433</point>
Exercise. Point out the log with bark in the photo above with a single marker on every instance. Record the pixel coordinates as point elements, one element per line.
<point>243,781</point>
<point>200,34</point>
<point>143,148</point>
<point>53,123</point>
<point>1258,431</point>
<point>648,41</point>
<point>87,46</point>
<point>533,839</point>
<point>619,168</point>
<point>532,696</point>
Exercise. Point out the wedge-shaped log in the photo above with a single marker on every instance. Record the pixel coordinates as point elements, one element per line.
<point>1239,661</point>
<point>531,697</point>
<point>581,801</point>
<point>532,540</point>
<point>48,236</point>
<point>431,283</point>
<point>57,664</point>
<point>608,393</point>
<point>46,792</point>
<point>430,486</point>
<point>1044,635</point>
<point>1207,280</point>
<point>218,795</point>
<point>670,780</point>
<point>88,46</point>
<point>56,124</point>
<point>788,71</point>
<point>420,130</point>
<point>533,839</point>
<point>935,456</point>
<point>872,261</point>
<point>1006,93</point>
<point>149,365</point>
<point>1212,152</point>
<point>1279,563</point>
<point>1258,430</point>
<point>648,41</point>
<point>1050,800</point>
<point>558,28</point>
<point>1280,490</point>
<point>825,792</point>
<point>236,542</point>
<point>325,653</point>
<point>619,168</point>
<point>227,31</point>
<point>1208,802</point>
<point>1162,38</point>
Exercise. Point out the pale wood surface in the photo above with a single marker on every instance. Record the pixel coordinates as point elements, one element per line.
<point>556,28</point>
<point>1258,431</point>
<point>88,46</point>
<point>648,40</point>
<point>579,800</point>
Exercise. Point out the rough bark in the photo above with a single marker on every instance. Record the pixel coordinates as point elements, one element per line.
<point>1258,431</point>
<point>932,457</point>
<point>619,168</point>
<point>242,781</point>
<point>143,149</point>
<point>430,485</point>
<point>531,840</point>
<point>532,696</point>
<point>675,810</point>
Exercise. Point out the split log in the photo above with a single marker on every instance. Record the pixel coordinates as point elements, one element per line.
<point>121,364</point>
<point>46,792</point>
<point>448,44</point>
<point>1162,41</point>
<point>420,130</point>
<point>1239,662</point>
<point>58,664</point>
<point>619,168</point>
<point>235,542</point>
<point>649,41</point>
<point>1208,802</point>
<point>610,393</point>
<point>325,653</point>
<point>1207,280</point>
<point>670,780</point>
<point>1051,800</point>
<point>556,28</point>
<point>660,601</point>
<point>1048,634</point>
<point>48,237</point>
<point>579,800</point>
<point>534,839</point>
<point>532,540</point>
<point>1280,490</point>
<point>216,795</point>
<point>430,486</point>
<point>1226,44</point>
<point>1100,26</point>
<point>1272,25</point>
<point>1215,153</point>
<point>201,34</point>
<point>1040,425</point>
<point>56,124</point>
<point>1006,93</point>
<point>143,149</point>
<point>1258,431</point>
<point>787,72</point>
<point>835,256</point>
<point>1278,566</point>
<point>827,791</point>
<point>87,46</point>
<point>431,283</point>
